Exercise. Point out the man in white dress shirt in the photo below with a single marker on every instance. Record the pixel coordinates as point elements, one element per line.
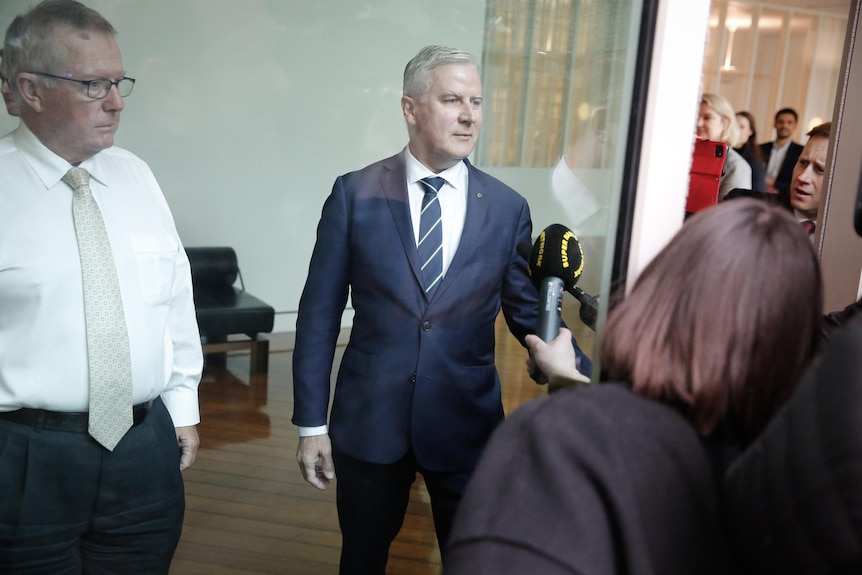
<point>71,504</point>
<point>781,154</point>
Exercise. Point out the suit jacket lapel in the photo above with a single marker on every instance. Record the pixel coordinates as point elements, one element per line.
<point>393,181</point>
<point>477,212</point>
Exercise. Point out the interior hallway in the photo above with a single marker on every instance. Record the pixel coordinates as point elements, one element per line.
<point>249,512</point>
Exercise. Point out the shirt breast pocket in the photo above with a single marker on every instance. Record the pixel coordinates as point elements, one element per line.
<point>156,257</point>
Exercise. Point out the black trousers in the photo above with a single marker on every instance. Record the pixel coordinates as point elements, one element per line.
<point>372,501</point>
<point>70,507</point>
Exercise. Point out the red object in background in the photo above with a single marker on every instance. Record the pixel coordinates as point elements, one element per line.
<point>707,164</point>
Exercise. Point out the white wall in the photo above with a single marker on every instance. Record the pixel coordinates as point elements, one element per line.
<point>248,110</point>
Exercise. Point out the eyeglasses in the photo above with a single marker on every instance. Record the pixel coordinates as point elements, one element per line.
<point>98,89</point>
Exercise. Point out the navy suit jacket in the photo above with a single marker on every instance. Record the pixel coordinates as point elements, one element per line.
<point>785,173</point>
<point>416,374</point>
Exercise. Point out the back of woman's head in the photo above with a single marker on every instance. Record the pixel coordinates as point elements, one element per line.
<point>723,321</point>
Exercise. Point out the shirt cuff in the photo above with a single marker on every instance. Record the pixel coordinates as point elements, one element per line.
<point>309,431</point>
<point>182,405</point>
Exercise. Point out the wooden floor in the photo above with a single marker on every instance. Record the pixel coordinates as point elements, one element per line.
<point>249,512</point>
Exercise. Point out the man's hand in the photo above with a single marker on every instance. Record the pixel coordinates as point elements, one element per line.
<point>188,441</point>
<point>314,456</point>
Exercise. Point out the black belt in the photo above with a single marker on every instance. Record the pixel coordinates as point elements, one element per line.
<point>65,421</point>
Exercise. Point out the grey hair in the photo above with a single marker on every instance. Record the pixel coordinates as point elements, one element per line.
<point>417,74</point>
<point>30,43</point>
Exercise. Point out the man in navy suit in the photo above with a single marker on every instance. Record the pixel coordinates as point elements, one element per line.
<point>781,155</point>
<point>417,390</point>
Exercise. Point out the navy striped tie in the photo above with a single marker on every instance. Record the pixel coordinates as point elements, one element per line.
<point>431,235</point>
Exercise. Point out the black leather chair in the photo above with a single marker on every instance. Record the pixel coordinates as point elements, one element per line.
<point>224,310</point>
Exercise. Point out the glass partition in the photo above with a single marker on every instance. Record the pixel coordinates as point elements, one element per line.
<point>247,112</point>
<point>558,77</point>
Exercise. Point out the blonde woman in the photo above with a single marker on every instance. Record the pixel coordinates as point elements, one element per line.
<point>717,121</point>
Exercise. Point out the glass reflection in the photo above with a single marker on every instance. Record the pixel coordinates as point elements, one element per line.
<point>557,94</point>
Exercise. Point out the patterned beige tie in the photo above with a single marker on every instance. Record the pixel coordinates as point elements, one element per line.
<point>107,338</point>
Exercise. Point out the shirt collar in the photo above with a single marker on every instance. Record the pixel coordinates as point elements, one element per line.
<point>49,166</point>
<point>802,217</point>
<point>416,171</point>
<point>784,147</point>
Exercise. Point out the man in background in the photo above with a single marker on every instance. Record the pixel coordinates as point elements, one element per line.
<point>100,355</point>
<point>417,390</point>
<point>808,177</point>
<point>781,154</point>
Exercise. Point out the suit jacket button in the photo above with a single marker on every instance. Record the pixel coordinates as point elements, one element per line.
<point>413,378</point>
<point>426,326</point>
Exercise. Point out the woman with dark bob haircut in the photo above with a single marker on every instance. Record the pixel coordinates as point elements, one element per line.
<point>623,477</point>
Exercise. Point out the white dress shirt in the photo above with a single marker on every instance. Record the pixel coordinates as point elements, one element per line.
<point>43,350</point>
<point>776,158</point>
<point>453,208</point>
<point>452,197</point>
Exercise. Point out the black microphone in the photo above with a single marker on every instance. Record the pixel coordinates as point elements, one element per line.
<point>589,306</point>
<point>557,257</point>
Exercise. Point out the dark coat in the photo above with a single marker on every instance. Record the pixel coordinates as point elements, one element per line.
<point>592,481</point>
<point>758,169</point>
<point>598,481</point>
<point>794,498</point>
<point>785,174</point>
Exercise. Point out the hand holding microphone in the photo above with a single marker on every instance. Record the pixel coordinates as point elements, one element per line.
<point>555,262</point>
<point>555,360</point>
